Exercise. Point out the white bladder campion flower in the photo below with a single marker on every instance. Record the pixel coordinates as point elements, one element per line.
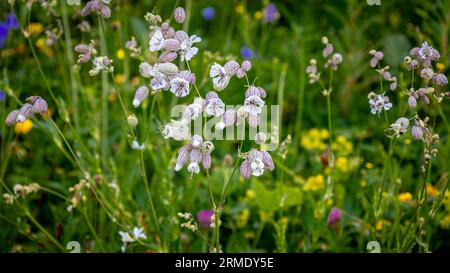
<point>156,41</point>
<point>219,77</point>
<point>378,103</point>
<point>214,105</point>
<point>196,152</point>
<point>255,163</point>
<point>399,127</point>
<point>179,87</point>
<point>102,63</point>
<point>177,130</point>
<point>187,50</point>
<point>193,111</point>
<point>126,238</point>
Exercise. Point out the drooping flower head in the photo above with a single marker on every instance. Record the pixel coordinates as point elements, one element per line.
<point>255,163</point>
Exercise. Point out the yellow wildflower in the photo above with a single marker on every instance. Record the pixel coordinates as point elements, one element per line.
<point>379,225</point>
<point>342,164</point>
<point>329,202</point>
<point>440,67</point>
<point>445,222</point>
<point>242,218</point>
<point>314,183</point>
<point>250,194</point>
<point>240,8</point>
<point>112,97</point>
<point>369,165</point>
<point>258,15</point>
<point>404,197</point>
<point>363,183</point>
<point>431,190</point>
<point>120,78</point>
<point>120,54</point>
<point>35,28</point>
<point>23,127</point>
<point>135,81</point>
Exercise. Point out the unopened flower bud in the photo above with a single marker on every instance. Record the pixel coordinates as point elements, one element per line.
<point>140,95</point>
<point>179,15</point>
<point>132,120</point>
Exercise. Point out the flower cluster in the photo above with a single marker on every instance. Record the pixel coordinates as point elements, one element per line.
<point>421,59</point>
<point>167,76</point>
<point>333,59</point>
<point>99,6</point>
<point>21,191</point>
<point>87,51</point>
<point>195,152</point>
<point>190,223</point>
<point>34,105</point>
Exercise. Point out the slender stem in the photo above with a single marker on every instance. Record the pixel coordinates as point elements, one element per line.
<point>383,176</point>
<point>70,57</point>
<point>217,210</point>
<point>105,102</point>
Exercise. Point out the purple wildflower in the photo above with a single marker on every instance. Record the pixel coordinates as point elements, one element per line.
<point>271,13</point>
<point>334,217</point>
<point>2,95</point>
<point>204,218</point>
<point>208,13</point>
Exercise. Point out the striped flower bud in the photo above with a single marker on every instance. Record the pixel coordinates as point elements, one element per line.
<point>171,44</point>
<point>179,15</point>
<point>412,102</point>
<point>25,112</point>
<point>168,69</point>
<point>11,119</point>
<point>260,138</point>
<point>145,69</point>
<point>229,117</point>
<point>246,65</point>
<point>187,75</point>
<point>167,57</point>
<point>440,79</point>
<point>40,106</point>
<point>196,155</point>
<point>417,132</point>
<point>245,169</point>
<point>206,161</point>
<point>231,67</point>
<point>105,11</point>
<point>140,95</point>
<point>240,73</point>
<point>267,160</point>
<point>182,159</point>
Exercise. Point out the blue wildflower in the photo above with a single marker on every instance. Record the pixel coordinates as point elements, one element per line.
<point>246,52</point>
<point>3,34</point>
<point>11,21</point>
<point>2,95</point>
<point>271,13</point>
<point>208,13</point>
